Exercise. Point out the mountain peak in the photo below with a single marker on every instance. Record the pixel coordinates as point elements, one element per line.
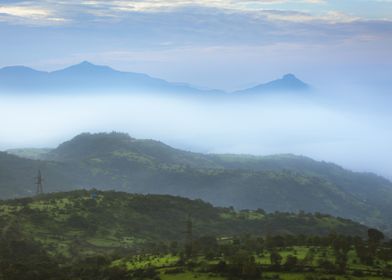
<point>87,144</point>
<point>289,82</point>
<point>86,63</point>
<point>86,68</point>
<point>289,76</point>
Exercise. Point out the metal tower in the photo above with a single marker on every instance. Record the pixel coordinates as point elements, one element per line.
<point>38,181</point>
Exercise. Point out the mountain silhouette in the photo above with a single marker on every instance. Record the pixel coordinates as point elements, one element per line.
<point>88,77</point>
<point>288,82</point>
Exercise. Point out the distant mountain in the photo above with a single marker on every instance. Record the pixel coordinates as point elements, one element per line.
<point>287,83</point>
<point>274,183</point>
<point>85,77</point>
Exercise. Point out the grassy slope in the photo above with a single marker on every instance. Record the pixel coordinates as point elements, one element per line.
<point>79,222</point>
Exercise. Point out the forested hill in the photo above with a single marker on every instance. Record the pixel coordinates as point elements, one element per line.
<point>95,220</point>
<point>283,183</point>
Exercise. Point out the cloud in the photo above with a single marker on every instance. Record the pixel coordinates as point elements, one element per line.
<point>158,5</point>
<point>328,17</point>
<point>72,10</point>
<point>26,13</point>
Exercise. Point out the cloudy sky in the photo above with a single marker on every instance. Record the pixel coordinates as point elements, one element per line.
<point>226,44</point>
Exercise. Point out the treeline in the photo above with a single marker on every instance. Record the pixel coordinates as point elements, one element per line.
<point>234,258</point>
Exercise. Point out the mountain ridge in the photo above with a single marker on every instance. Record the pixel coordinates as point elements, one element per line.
<point>87,76</point>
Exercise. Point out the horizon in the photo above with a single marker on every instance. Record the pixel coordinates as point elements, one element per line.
<point>92,64</point>
<point>191,40</point>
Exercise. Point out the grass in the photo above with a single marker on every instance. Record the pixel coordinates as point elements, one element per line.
<point>267,275</point>
<point>302,276</point>
<point>162,263</point>
<point>190,276</point>
<point>147,261</point>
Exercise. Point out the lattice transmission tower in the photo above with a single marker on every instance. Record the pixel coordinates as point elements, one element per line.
<point>39,183</point>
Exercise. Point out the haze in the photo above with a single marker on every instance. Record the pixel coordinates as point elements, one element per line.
<point>356,135</point>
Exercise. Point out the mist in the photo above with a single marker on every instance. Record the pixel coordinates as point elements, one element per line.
<point>350,127</point>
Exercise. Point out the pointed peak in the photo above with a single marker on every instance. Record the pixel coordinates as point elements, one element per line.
<point>85,67</point>
<point>289,76</point>
<point>86,63</point>
<point>289,82</point>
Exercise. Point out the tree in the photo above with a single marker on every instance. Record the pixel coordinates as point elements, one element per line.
<point>291,262</point>
<point>275,258</point>
<point>243,265</point>
<point>374,238</point>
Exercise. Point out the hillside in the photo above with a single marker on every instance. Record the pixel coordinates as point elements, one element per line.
<point>94,221</point>
<point>275,183</point>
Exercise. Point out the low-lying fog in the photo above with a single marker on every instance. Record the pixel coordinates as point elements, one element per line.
<point>353,130</point>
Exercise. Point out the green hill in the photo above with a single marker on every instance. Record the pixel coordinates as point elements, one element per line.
<point>275,183</point>
<point>94,221</point>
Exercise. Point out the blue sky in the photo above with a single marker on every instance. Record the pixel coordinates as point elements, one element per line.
<point>225,44</point>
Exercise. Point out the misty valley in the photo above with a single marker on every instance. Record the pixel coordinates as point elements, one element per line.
<point>195,140</point>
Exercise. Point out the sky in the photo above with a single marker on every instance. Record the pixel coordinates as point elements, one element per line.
<point>225,44</point>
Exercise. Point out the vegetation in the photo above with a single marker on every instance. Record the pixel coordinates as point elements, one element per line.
<point>89,222</point>
<point>114,235</point>
<point>30,153</point>
<point>283,183</point>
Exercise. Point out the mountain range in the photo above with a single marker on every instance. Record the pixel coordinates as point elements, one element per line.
<point>87,77</point>
<point>117,161</point>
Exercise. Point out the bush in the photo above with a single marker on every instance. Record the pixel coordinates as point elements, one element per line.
<point>176,270</point>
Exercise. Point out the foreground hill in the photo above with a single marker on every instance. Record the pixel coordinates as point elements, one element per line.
<point>277,183</point>
<point>93,221</point>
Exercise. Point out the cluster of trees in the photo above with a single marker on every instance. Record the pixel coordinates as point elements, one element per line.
<point>236,258</point>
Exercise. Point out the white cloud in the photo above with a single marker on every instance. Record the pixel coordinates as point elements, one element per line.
<point>28,14</point>
<point>21,11</point>
<point>328,17</point>
<point>159,5</point>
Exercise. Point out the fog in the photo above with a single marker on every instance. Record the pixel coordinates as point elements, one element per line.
<point>346,126</point>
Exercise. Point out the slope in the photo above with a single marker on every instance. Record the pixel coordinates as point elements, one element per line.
<point>277,183</point>
<point>93,221</point>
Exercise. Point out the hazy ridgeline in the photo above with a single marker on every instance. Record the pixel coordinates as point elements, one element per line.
<point>344,125</point>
